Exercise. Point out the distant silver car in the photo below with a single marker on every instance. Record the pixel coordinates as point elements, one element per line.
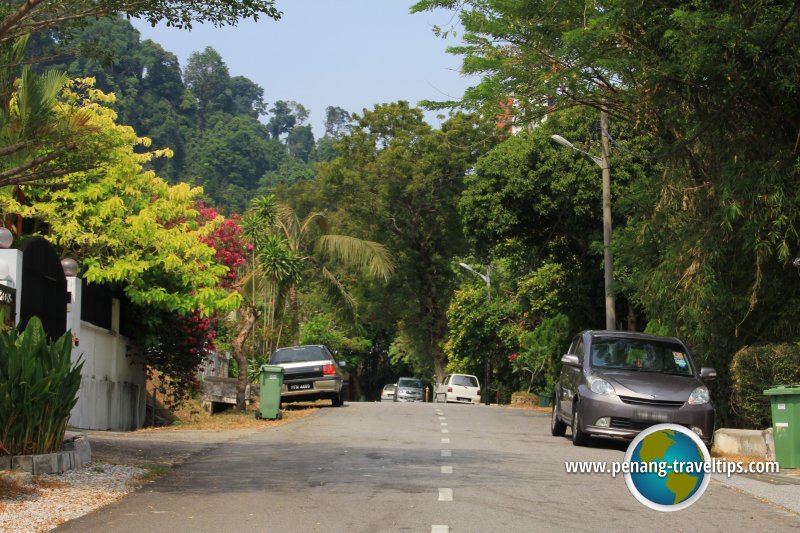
<point>616,384</point>
<point>408,390</point>
<point>310,373</point>
<point>458,388</point>
<point>387,394</point>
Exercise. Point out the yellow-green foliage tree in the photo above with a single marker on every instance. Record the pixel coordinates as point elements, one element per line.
<point>126,225</point>
<point>131,230</point>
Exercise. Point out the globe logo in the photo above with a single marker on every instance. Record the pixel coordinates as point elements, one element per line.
<point>667,467</point>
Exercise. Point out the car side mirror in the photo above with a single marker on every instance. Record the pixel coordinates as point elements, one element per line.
<point>342,364</point>
<point>570,360</point>
<point>708,373</point>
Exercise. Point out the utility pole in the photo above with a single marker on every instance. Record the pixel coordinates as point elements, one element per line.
<point>486,366</point>
<point>608,258</point>
<point>488,279</point>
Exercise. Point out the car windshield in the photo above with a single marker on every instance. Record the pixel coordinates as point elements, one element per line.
<point>300,354</point>
<point>409,383</point>
<point>464,381</point>
<point>641,355</point>
<point>388,388</point>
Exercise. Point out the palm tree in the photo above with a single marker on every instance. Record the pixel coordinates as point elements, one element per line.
<point>283,248</point>
<point>275,264</point>
<point>311,242</point>
<point>35,139</point>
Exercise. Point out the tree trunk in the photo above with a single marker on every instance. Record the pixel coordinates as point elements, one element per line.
<point>632,324</point>
<point>439,362</point>
<point>295,319</point>
<point>248,320</point>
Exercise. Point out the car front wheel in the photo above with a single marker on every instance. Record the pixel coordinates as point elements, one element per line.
<point>579,437</point>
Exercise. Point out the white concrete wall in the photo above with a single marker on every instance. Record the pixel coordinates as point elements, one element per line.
<point>13,258</point>
<point>112,391</point>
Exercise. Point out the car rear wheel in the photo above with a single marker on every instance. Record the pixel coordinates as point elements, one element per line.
<point>338,400</point>
<point>558,428</point>
<point>579,437</point>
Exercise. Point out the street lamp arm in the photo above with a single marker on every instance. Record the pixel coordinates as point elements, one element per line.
<point>563,142</point>
<point>466,266</point>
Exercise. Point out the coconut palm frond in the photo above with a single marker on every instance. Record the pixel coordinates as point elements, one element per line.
<point>52,83</point>
<point>288,223</point>
<point>317,218</point>
<point>338,293</point>
<point>369,255</point>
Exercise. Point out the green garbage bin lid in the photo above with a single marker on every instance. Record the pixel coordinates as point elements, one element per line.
<point>271,368</point>
<point>782,390</point>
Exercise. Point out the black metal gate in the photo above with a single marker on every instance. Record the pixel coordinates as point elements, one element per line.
<point>43,288</point>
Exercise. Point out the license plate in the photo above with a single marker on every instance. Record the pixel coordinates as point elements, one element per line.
<point>652,416</point>
<point>300,386</point>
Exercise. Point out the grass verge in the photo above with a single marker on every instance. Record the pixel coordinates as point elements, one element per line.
<point>191,415</point>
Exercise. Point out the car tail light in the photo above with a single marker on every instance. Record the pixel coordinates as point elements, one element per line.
<point>328,370</point>
<point>449,389</point>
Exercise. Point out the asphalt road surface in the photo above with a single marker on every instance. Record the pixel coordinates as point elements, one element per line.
<point>371,467</point>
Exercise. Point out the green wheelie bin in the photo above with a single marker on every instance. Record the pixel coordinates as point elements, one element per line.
<point>270,381</point>
<point>786,424</point>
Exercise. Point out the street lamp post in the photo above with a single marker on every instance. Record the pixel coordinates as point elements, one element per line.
<point>608,258</point>
<point>488,279</point>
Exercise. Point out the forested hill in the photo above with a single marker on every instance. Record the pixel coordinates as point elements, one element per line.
<point>224,133</point>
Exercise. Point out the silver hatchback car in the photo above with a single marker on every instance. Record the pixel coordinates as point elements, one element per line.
<point>616,384</point>
<point>408,390</point>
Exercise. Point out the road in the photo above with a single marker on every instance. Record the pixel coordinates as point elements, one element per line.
<point>371,467</point>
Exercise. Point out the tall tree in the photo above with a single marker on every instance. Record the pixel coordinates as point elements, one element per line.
<point>285,116</point>
<point>310,240</point>
<point>22,17</point>
<point>300,143</point>
<point>397,181</point>
<point>247,97</point>
<point>337,121</point>
<point>230,157</point>
<point>712,237</point>
<point>207,76</point>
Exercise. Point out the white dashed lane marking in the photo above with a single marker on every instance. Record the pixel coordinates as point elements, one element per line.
<point>445,495</point>
<point>447,470</point>
<point>445,431</point>
<point>447,453</point>
<point>445,441</point>
<point>443,423</point>
<point>440,529</point>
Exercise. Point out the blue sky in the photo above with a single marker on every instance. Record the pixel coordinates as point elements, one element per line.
<point>347,53</point>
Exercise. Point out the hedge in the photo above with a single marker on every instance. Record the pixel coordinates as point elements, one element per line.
<point>756,368</point>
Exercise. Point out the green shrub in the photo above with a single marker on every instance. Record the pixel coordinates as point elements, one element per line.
<point>38,389</point>
<point>756,368</point>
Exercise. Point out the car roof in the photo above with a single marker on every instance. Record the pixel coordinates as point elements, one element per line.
<point>301,346</point>
<point>629,335</point>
